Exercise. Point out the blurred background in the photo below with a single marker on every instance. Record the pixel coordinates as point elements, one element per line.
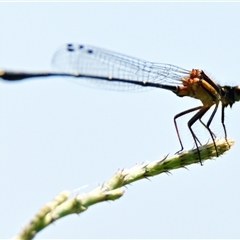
<point>57,135</point>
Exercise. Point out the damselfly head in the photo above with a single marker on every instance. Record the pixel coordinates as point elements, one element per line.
<point>230,95</point>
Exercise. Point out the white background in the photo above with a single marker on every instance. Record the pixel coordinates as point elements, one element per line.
<point>56,135</point>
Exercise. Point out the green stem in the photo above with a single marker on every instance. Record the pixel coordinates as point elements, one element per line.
<point>62,205</point>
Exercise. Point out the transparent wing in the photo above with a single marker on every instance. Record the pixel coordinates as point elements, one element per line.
<point>87,60</point>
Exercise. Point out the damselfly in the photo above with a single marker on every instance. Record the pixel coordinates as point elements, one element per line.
<point>97,67</point>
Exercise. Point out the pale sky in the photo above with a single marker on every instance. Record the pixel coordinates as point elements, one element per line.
<point>58,135</point>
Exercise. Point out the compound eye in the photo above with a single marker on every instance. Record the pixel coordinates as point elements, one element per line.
<point>223,92</point>
<point>237,93</point>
